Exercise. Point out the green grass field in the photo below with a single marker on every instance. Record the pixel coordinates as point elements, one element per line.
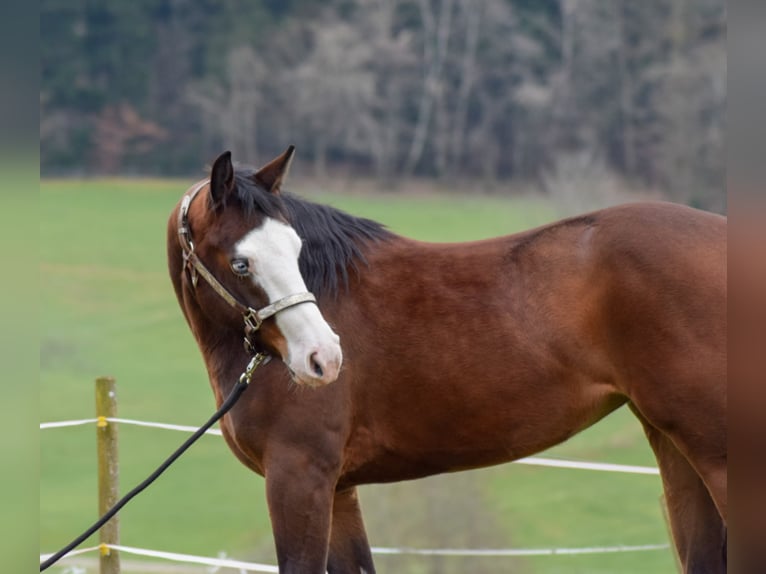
<point>108,308</point>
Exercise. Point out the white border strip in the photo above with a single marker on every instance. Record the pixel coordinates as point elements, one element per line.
<point>534,461</point>
<point>519,551</point>
<point>188,558</point>
<point>603,466</point>
<point>61,424</point>
<point>165,426</point>
<point>256,567</point>
<point>44,557</point>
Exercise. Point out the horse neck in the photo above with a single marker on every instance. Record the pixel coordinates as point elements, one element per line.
<point>220,346</point>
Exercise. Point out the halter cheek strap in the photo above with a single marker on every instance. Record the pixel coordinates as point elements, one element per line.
<point>252,318</point>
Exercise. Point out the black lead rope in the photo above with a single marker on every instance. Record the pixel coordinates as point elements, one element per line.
<point>234,395</point>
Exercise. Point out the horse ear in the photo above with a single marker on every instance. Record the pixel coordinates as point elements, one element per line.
<point>274,173</point>
<point>221,178</point>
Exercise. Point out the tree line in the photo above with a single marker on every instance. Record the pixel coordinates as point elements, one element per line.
<point>446,89</point>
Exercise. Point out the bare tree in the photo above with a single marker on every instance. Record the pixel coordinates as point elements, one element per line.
<point>395,67</point>
<point>692,105</point>
<point>471,14</point>
<point>333,88</point>
<point>437,24</point>
<point>119,131</point>
<point>229,108</point>
<point>587,101</point>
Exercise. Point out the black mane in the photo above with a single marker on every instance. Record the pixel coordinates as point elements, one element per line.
<point>333,240</point>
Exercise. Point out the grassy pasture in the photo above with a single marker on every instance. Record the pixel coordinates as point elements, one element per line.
<point>108,308</point>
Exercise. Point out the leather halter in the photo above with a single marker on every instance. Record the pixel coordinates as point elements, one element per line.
<point>252,318</point>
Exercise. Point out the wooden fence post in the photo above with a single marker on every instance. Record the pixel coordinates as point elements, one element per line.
<point>108,471</point>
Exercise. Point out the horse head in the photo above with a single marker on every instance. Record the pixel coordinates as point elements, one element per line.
<point>241,235</point>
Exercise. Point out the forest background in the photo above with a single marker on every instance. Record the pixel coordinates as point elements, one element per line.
<point>472,94</point>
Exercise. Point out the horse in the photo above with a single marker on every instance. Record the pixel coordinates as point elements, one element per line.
<point>396,359</point>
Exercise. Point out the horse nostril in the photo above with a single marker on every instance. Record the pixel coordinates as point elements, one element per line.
<point>315,366</point>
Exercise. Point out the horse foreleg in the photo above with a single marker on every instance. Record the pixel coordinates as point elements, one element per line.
<point>349,549</point>
<point>300,498</point>
<point>698,530</point>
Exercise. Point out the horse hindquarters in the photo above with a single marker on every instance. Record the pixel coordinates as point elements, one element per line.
<point>662,271</point>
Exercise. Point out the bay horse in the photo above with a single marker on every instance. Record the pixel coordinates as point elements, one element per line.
<point>421,358</point>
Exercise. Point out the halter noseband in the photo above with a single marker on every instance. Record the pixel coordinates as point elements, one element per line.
<point>252,318</point>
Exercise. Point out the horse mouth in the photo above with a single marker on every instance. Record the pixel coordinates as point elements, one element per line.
<point>302,381</point>
<point>310,382</point>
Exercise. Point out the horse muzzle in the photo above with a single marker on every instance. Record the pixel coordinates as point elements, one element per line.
<point>316,366</point>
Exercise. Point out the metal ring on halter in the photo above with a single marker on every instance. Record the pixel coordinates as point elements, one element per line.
<point>252,321</point>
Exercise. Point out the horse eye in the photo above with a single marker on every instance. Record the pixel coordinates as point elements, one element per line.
<point>240,266</point>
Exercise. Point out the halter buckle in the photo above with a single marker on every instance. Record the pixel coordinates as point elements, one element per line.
<point>252,324</point>
<point>252,321</point>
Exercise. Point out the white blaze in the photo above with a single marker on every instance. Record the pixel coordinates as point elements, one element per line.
<point>273,250</point>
